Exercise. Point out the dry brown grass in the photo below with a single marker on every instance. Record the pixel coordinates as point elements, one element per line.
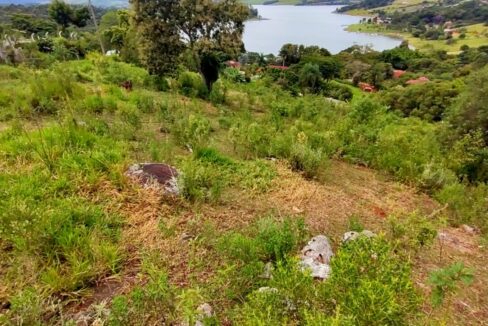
<point>161,226</point>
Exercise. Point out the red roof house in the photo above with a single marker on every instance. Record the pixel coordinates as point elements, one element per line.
<point>398,73</point>
<point>233,64</point>
<point>368,88</point>
<point>420,80</point>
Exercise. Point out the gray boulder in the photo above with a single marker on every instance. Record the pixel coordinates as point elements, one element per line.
<point>316,256</point>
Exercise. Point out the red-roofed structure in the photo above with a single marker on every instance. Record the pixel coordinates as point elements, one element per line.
<point>398,73</point>
<point>233,64</point>
<point>420,80</point>
<point>368,88</point>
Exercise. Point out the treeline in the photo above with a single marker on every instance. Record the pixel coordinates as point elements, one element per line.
<point>465,13</point>
<point>38,20</point>
<point>366,4</point>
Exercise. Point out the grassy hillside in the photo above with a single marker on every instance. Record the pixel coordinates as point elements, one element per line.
<point>81,241</point>
<point>476,35</point>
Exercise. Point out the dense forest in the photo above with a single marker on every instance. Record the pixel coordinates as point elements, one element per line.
<point>154,172</point>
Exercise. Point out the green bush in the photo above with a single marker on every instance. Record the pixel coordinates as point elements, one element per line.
<point>307,160</point>
<point>445,281</point>
<point>467,204</point>
<point>191,129</point>
<point>412,232</point>
<point>115,72</point>
<point>371,284</point>
<point>144,101</point>
<point>49,90</point>
<point>192,85</point>
<point>209,172</point>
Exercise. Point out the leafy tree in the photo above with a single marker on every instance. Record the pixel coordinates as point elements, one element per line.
<point>119,35</point>
<point>64,14</point>
<point>427,101</point>
<point>204,27</point>
<point>290,53</point>
<point>399,57</point>
<point>378,73</point>
<point>470,110</point>
<point>311,77</point>
<point>30,24</point>
<point>329,66</point>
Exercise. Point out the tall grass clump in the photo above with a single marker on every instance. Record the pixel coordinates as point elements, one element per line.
<point>208,172</point>
<point>61,239</point>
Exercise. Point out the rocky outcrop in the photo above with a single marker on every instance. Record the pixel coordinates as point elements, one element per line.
<point>156,176</point>
<point>316,256</point>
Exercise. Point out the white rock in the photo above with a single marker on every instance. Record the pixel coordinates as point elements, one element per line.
<point>204,311</point>
<point>353,235</point>
<point>267,289</point>
<point>316,257</point>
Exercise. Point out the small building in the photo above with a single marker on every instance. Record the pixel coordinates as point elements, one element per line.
<point>368,88</point>
<point>397,73</point>
<point>233,64</point>
<point>420,80</point>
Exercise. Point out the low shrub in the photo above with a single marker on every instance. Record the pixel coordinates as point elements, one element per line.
<point>192,85</point>
<point>371,284</point>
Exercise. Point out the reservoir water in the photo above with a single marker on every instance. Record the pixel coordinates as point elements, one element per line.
<point>307,25</point>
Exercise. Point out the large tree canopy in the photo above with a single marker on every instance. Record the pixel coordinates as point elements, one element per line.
<point>65,15</point>
<point>205,27</point>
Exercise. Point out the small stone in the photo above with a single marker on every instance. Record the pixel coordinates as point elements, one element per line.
<point>204,311</point>
<point>469,229</point>
<point>268,271</point>
<point>267,289</point>
<point>186,237</point>
<point>353,235</point>
<point>350,236</point>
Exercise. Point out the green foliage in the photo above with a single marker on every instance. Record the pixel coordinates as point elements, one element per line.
<point>371,284</point>
<point>445,281</point>
<point>208,173</point>
<point>468,113</point>
<point>310,77</point>
<point>338,91</point>
<point>191,84</point>
<point>115,72</point>
<point>191,129</point>
<point>427,101</point>
<point>71,240</point>
<point>234,75</point>
<point>400,57</point>
<point>307,160</point>
<point>467,204</point>
<point>209,27</point>
<point>155,302</point>
<point>48,91</point>
<point>65,15</point>
<point>412,232</point>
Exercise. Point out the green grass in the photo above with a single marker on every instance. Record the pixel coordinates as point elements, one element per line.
<point>70,219</point>
<point>476,35</point>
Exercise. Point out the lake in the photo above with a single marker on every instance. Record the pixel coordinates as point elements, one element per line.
<point>307,25</point>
